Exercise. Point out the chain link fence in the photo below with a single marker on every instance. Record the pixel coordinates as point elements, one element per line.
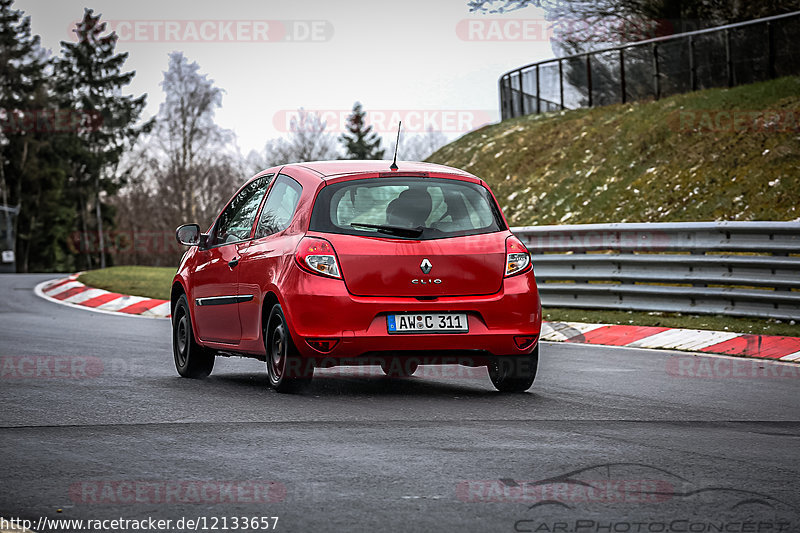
<point>725,56</point>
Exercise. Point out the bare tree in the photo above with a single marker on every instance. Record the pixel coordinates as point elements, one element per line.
<point>420,146</point>
<point>582,25</point>
<point>185,170</point>
<point>499,6</point>
<point>307,141</point>
<point>187,139</point>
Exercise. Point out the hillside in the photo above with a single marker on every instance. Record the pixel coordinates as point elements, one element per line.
<point>720,154</point>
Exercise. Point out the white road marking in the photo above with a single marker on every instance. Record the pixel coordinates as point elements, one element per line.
<point>564,331</point>
<point>88,294</point>
<point>63,288</point>
<point>684,339</point>
<point>119,303</point>
<point>161,310</point>
<point>791,357</point>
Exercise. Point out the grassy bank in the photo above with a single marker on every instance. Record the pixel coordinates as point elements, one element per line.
<point>691,157</point>
<point>151,282</point>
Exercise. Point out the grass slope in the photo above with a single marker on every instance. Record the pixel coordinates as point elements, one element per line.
<point>683,158</point>
<point>151,282</point>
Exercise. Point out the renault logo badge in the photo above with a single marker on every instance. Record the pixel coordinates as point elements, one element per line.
<point>425,266</point>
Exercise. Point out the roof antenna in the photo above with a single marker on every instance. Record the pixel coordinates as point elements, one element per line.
<point>396,144</point>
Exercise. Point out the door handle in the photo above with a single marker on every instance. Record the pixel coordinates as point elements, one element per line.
<point>233,262</point>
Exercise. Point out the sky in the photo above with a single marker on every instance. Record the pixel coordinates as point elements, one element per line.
<point>430,63</point>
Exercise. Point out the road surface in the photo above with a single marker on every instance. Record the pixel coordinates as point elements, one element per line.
<point>96,423</point>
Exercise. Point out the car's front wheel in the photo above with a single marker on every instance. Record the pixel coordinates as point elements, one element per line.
<point>287,370</point>
<point>191,359</point>
<point>514,373</point>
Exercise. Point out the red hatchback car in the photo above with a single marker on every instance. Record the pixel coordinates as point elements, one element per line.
<point>348,263</point>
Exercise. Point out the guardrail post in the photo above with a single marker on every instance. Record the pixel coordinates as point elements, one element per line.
<point>771,44</point>
<point>561,82</point>
<point>502,90</point>
<point>623,89</point>
<point>521,94</point>
<point>656,73</point>
<point>589,76</point>
<point>728,57</point>
<point>692,65</point>
<point>538,96</point>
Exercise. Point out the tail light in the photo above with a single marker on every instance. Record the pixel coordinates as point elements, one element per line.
<point>518,259</point>
<point>317,256</point>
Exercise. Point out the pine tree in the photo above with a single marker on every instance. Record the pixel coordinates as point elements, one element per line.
<point>30,174</point>
<point>359,140</point>
<point>89,81</point>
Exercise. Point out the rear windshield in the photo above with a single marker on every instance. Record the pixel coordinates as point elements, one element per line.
<point>406,208</point>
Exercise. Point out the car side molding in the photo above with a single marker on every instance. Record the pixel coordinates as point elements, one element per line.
<point>223,300</point>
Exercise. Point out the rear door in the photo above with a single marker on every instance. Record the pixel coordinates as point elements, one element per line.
<point>410,236</point>
<point>215,280</point>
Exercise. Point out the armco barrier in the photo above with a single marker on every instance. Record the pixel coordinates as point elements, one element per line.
<point>729,268</point>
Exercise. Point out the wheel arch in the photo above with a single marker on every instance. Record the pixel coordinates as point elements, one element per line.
<point>175,294</point>
<point>269,300</point>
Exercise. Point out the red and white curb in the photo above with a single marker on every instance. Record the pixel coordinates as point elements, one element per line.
<point>688,340</point>
<point>70,291</point>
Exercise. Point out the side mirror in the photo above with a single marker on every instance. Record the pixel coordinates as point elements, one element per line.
<point>188,235</point>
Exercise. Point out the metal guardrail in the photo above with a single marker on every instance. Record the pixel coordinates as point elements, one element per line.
<point>724,56</point>
<point>729,268</point>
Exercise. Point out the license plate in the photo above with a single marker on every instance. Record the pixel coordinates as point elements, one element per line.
<point>427,323</point>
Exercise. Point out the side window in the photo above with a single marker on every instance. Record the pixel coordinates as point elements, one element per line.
<point>236,221</point>
<point>280,206</point>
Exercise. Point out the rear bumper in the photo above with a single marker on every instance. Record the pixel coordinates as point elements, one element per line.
<point>329,311</point>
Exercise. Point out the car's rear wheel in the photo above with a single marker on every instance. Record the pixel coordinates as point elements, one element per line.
<point>399,368</point>
<point>514,373</point>
<point>287,370</point>
<point>191,359</point>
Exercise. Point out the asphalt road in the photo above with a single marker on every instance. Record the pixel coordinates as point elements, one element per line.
<point>96,422</point>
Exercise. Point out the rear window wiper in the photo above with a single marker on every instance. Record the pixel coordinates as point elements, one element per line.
<point>391,230</point>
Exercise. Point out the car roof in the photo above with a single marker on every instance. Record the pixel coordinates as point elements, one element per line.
<point>330,169</point>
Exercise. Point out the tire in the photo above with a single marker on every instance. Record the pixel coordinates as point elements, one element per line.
<point>191,359</point>
<point>514,373</point>
<point>287,370</point>
<point>399,368</point>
